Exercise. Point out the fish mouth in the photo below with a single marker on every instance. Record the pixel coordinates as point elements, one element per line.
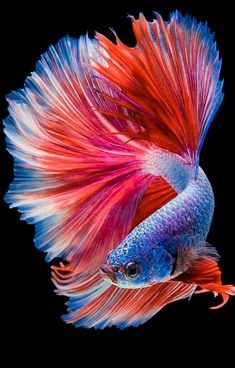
<point>107,272</point>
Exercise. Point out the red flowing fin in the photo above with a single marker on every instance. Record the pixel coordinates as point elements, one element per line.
<point>169,81</point>
<point>124,307</point>
<point>206,274</point>
<point>76,177</point>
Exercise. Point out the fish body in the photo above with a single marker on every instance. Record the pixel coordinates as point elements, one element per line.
<point>106,141</point>
<point>183,221</point>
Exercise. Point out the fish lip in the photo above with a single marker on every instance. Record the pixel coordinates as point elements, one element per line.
<point>107,271</point>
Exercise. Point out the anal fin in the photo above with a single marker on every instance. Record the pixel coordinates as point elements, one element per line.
<point>126,307</point>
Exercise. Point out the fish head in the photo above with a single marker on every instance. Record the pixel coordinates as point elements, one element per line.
<point>137,264</point>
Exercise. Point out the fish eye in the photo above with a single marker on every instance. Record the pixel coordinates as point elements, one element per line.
<point>132,270</point>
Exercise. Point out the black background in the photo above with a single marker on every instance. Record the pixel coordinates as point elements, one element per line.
<point>31,309</point>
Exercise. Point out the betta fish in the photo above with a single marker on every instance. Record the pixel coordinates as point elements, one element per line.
<point>106,140</point>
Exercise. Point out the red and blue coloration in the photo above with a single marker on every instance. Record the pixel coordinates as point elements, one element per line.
<point>106,141</point>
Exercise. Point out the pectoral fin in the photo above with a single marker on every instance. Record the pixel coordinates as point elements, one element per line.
<point>198,265</point>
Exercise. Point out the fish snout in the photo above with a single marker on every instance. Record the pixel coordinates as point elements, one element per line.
<point>107,272</point>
